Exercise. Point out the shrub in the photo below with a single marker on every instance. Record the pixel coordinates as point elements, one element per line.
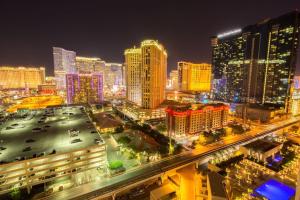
<point>119,129</point>
<point>115,164</point>
<point>124,140</point>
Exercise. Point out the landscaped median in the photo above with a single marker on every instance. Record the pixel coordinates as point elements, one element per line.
<point>116,167</point>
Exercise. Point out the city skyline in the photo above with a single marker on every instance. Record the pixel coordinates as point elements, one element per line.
<point>164,100</point>
<point>103,35</point>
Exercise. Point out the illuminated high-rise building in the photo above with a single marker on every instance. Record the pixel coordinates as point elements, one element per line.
<point>146,74</point>
<point>113,78</point>
<point>87,65</point>
<point>295,99</point>
<point>133,74</point>
<point>21,77</point>
<point>256,64</point>
<point>194,77</point>
<point>153,73</point>
<point>64,63</point>
<point>112,72</point>
<point>84,88</point>
<point>174,79</point>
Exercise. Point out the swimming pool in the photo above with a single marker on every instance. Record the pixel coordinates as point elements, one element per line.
<point>278,158</point>
<point>275,190</point>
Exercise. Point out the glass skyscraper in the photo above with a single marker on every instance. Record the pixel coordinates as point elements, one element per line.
<point>64,63</point>
<point>256,64</point>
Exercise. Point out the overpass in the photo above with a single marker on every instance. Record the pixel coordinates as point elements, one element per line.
<point>136,176</point>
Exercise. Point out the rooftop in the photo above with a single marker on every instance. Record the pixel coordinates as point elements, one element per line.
<point>105,120</point>
<point>186,107</point>
<point>217,186</point>
<point>42,131</point>
<point>265,106</point>
<point>262,145</point>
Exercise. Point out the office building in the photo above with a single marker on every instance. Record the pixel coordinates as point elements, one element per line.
<point>256,64</point>
<point>87,65</point>
<point>64,63</point>
<point>133,75</point>
<point>21,77</point>
<point>188,119</point>
<point>84,88</point>
<point>194,77</point>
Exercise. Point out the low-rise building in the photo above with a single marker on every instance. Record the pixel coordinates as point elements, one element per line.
<point>105,122</point>
<point>47,89</point>
<point>263,113</point>
<point>188,119</point>
<point>137,113</point>
<point>188,96</point>
<point>216,187</point>
<point>261,149</point>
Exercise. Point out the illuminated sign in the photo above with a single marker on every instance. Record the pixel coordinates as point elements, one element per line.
<point>229,33</point>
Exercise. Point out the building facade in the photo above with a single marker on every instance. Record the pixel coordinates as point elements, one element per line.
<point>146,74</point>
<point>174,79</point>
<point>113,76</point>
<point>153,73</point>
<point>133,75</point>
<point>21,77</point>
<point>189,119</point>
<point>194,77</point>
<point>112,73</point>
<point>30,172</point>
<point>47,89</point>
<point>256,64</point>
<point>295,104</point>
<point>84,88</point>
<point>64,63</point>
<point>87,65</point>
<point>50,80</point>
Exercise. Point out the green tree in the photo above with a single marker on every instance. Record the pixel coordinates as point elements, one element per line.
<point>119,129</point>
<point>15,193</point>
<point>162,127</point>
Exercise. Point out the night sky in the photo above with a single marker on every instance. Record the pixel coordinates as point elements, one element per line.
<point>29,29</point>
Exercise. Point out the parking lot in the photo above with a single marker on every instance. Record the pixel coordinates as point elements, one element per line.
<point>46,131</point>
